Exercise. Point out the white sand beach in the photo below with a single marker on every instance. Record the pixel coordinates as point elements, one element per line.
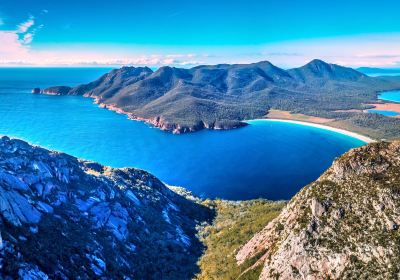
<point>338,130</point>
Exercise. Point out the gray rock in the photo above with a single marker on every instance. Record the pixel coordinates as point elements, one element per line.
<point>16,208</point>
<point>44,207</point>
<point>100,214</point>
<point>98,265</point>
<point>12,181</point>
<point>339,213</point>
<point>133,197</point>
<point>317,208</point>
<point>31,272</point>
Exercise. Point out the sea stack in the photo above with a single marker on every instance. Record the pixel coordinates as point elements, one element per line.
<point>36,90</point>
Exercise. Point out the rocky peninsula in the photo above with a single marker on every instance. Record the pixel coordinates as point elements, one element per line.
<point>223,96</point>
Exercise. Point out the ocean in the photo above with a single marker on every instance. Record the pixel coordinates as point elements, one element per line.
<point>271,160</point>
<point>393,95</point>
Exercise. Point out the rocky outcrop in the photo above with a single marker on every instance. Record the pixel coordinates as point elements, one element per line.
<point>343,226</point>
<point>175,128</point>
<point>64,218</point>
<point>36,90</point>
<point>57,90</point>
<point>184,128</point>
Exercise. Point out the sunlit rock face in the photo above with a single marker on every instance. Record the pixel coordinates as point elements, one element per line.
<point>345,225</point>
<point>64,218</point>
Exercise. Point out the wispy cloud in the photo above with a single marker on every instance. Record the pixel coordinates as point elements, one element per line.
<point>15,44</point>
<point>27,38</point>
<point>11,48</point>
<point>367,50</point>
<point>27,30</point>
<point>283,54</point>
<point>20,38</point>
<point>26,25</point>
<point>20,53</point>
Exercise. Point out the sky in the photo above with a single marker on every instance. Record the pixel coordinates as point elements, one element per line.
<point>185,33</point>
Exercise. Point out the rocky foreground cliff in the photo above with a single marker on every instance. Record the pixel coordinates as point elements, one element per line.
<point>345,225</point>
<point>63,218</point>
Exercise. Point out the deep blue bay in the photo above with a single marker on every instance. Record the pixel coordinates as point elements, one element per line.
<point>264,159</point>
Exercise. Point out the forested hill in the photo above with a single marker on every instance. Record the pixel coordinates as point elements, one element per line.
<point>221,96</point>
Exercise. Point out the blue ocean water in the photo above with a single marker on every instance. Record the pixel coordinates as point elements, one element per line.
<point>384,112</point>
<point>393,96</point>
<point>265,159</point>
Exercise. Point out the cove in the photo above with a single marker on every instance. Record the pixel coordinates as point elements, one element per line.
<point>384,112</point>
<point>264,159</point>
<point>393,96</point>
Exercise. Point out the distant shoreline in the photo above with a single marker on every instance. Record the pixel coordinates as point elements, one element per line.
<point>338,130</point>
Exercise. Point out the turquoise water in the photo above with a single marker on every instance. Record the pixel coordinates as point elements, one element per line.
<point>384,112</point>
<point>393,96</point>
<point>265,159</point>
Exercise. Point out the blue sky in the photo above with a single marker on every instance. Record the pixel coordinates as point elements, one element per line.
<point>287,32</point>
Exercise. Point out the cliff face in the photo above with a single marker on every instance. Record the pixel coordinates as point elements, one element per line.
<point>63,218</point>
<point>343,226</point>
<point>222,96</point>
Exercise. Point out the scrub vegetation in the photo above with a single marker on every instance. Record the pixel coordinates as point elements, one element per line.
<point>233,226</point>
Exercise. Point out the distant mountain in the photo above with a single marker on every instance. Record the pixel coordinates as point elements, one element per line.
<point>222,96</point>
<point>63,218</point>
<point>345,225</point>
<point>320,70</point>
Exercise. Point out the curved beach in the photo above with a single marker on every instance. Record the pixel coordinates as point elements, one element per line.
<point>338,130</point>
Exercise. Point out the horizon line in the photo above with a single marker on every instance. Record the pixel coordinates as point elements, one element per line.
<point>177,65</point>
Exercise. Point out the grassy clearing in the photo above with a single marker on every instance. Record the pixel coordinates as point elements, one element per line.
<point>234,225</point>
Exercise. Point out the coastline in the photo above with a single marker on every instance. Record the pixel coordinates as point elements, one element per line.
<point>320,126</point>
<point>160,123</point>
<point>177,129</point>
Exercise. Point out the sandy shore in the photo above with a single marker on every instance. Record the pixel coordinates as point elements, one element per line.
<point>394,107</point>
<point>341,131</point>
<point>286,115</point>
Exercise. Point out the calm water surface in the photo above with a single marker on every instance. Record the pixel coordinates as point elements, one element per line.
<point>393,96</point>
<point>384,112</point>
<point>265,159</point>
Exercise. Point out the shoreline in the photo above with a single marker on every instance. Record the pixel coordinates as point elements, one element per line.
<point>177,129</point>
<point>361,137</point>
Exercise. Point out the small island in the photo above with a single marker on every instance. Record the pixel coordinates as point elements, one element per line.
<point>36,90</point>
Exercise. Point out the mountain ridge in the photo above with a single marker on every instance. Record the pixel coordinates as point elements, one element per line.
<point>223,96</point>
